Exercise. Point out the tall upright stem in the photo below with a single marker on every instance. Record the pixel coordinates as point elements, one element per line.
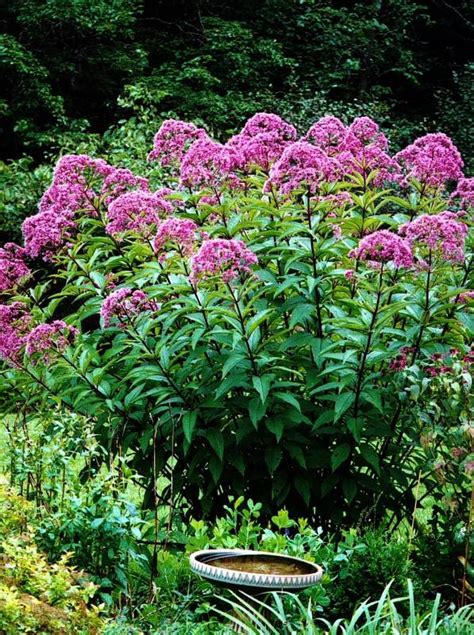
<point>360,375</point>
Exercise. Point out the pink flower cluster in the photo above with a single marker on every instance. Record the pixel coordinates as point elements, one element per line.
<point>464,193</point>
<point>382,247</point>
<point>123,304</point>
<point>15,321</point>
<point>13,268</point>
<point>209,164</point>
<point>302,165</point>
<point>78,180</point>
<point>359,148</point>
<point>433,160</point>
<point>262,140</point>
<point>136,211</point>
<point>46,338</point>
<point>173,140</point>
<point>442,235</point>
<point>466,297</point>
<point>47,232</point>
<point>180,231</point>
<point>225,258</point>
<point>328,134</point>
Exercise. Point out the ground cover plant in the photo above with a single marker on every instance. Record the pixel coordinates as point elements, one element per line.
<point>278,318</point>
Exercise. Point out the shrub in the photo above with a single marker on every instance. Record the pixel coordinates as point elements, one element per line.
<point>36,596</point>
<point>254,326</point>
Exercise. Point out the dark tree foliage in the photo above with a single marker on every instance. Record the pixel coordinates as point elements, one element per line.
<point>64,63</point>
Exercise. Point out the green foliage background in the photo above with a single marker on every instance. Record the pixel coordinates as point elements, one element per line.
<point>71,66</point>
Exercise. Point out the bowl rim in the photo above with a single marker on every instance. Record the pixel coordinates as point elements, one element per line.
<point>247,578</point>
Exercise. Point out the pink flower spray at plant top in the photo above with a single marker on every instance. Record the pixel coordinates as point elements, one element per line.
<point>383,247</point>
<point>173,140</point>
<point>262,141</point>
<point>328,134</point>
<point>13,268</point>
<point>302,165</point>
<point>433,160</point>
<point>125,303</point>
<point>15,322</point>
<point>464,193</point>
<point>209,164</point>
<point>46,338</point>
<point>137,211</point>
<point>180,231</point>
<point>78,181</point>
<point>221,257</point>
<point>441,235</point>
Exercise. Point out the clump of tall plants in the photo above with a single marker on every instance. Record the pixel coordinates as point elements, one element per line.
<point>278,320</point>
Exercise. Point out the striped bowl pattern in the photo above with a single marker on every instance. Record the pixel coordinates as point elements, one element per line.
<point>199,561</point>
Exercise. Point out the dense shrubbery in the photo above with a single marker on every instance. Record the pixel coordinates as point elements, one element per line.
<point>65,64</point>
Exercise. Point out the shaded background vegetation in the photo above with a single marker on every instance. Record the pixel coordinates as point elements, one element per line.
<point>65,62</point>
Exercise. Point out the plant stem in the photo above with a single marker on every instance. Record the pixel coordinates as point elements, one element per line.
<point>370,334</point>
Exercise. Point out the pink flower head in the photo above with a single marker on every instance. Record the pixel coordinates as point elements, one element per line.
<point>180,231</point>
<point>363,160</point>
<point>328,134</point>
<point>433,160</point>
<point>262,140</point>
<point>119,181</point>
<point>261,150</point>
<point>302,165</point>
<point>219,257</point>
<point>125,303</point>
<point>349,275</point>
<point>464,193</point>
<point>13,269</point>
<point>440,234</point>
<point>46,233</point>
<point>15,321</point>
<point>466,297</point>
<point>208,164</point>
<point>47,338</point>
<point>173,140</point>
<point>363,131</point>
<point>76,179</point>
<point>383,247</point>
<point>137,211</point>
<point>264,122</point>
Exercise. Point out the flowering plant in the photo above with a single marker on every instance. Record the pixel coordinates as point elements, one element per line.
<point>248,327</point>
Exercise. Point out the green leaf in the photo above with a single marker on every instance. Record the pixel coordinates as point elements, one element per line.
<point>189,422</point>
<point>355,425</point>
<point>257,410</point>
<point>288,398</point>
<point>343,402</point>
<point>340,454</point>
<point>373,397</point>
<point>328,484</point>
<point>370,456</point>
<point>262,385</point>
<point>349,487</point>
<point>215,467</point>
<point>273,456</point>
<point>216,441</point>
<point>276,426</point>
<point>303,489</point>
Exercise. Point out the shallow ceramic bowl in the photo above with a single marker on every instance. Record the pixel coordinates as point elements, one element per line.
<point>202,563</point>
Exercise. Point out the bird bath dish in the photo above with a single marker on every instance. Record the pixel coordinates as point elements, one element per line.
<point>254,571</point>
